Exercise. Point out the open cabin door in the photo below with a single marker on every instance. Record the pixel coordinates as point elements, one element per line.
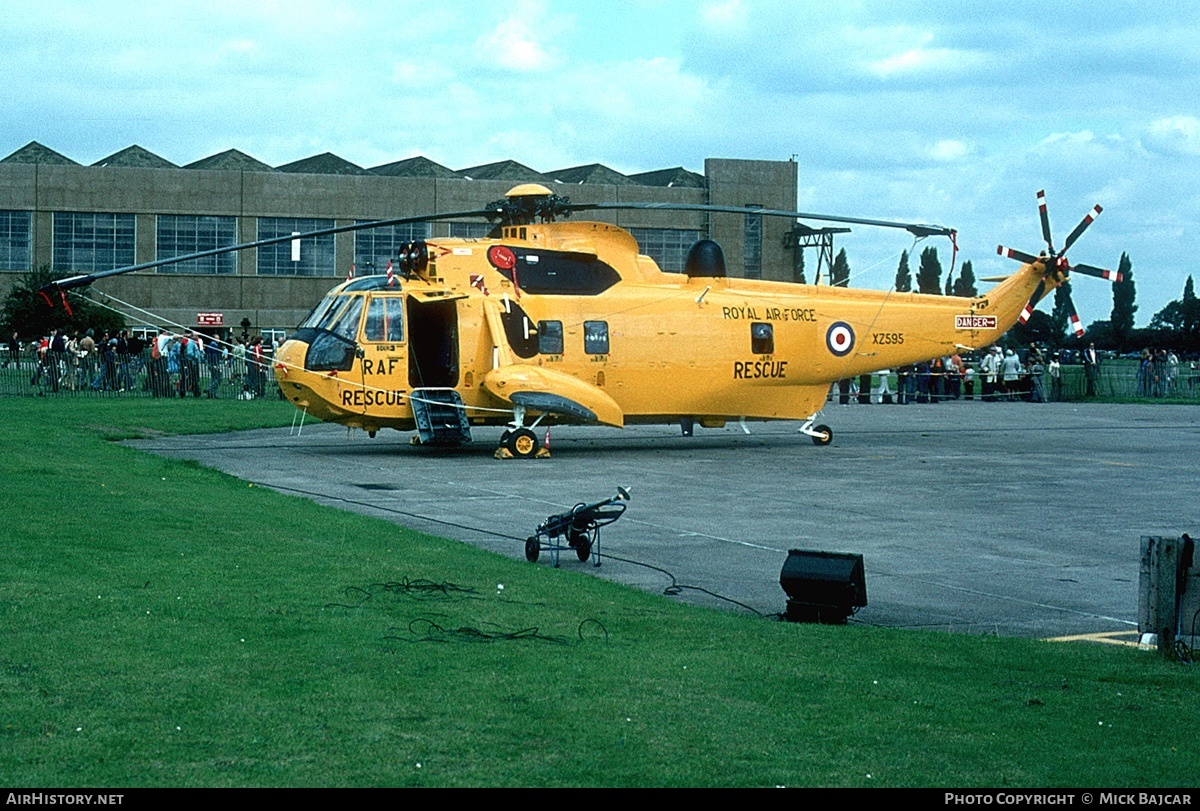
<point>432,341</point>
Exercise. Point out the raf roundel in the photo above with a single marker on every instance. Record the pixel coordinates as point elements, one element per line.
<point>840,338</point>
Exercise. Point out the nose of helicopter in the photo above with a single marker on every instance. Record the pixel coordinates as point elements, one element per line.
<point>288,367</point>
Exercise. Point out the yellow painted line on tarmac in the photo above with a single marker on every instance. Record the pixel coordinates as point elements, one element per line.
<point>1126,638</point>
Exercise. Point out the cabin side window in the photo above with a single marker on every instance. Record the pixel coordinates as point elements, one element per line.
<point>550,337</point>
<point>595,337</point>
<point>384,320</point>
<point>762,338</point>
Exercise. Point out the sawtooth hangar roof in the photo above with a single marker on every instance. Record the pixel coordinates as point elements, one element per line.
<point>330,164</point>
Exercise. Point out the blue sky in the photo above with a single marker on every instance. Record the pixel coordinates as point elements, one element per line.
<point>923,111</point>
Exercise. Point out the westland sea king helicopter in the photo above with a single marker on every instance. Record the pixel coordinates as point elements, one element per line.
<point>551,320</point>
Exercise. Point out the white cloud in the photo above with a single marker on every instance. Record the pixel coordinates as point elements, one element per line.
<point>949,151</point>
<point>730,16</point>
<point>1178,135</point>
<point>514,44</point>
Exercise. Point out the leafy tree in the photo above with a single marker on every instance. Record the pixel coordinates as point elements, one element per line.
<point>929,273</point>
<point>27,313</point>
<point>903,275</point>
<point>798,267</point>
<point>1169,319</point>
<point>950,282</point>
<point>964,285</point>
<point>840,275</point>
<point>1178,324</point>
<point>1100,333</point>
<point>1191,316</point>
<point>1123,309</point>
<point>1039,329</point>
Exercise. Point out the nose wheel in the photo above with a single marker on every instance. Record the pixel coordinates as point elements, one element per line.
<point>820,434</point>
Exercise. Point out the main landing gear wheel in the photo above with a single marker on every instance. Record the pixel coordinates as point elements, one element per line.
<point>522,443</point>
<point>825,435</point>
<point>532,549</point>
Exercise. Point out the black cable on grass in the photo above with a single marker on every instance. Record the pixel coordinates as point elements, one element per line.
<point>676,587</point>
<point>424,629</point>
<point>590,621</point>
<point>419,588</point>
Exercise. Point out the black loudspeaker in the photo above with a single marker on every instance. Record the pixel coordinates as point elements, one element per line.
<point>823,586</point>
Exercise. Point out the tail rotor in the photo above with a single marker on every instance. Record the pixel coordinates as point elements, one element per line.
<point>1057,268</point>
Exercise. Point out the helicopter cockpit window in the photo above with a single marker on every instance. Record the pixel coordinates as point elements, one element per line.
<point>344,322</point>
<point>550,337</point>
<point>595,337</point>
<point>384,320</point>
<point>329,353</point>
<point>762,338</point>
<point>320,311</point>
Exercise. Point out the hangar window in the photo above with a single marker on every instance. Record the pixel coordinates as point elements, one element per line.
<point>178,235</point>
<point>470,230</point>
<point>752,244</point>
<point>316,253</point>
<point>668,247</point>
<point>86,243</point>
<point>550,337</point>
<point>374,247</point>
<point>762,338</point>
<point>16,239</point>
<point>595,337</point>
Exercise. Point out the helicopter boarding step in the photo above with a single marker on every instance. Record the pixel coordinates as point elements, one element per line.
<point>441,417</point>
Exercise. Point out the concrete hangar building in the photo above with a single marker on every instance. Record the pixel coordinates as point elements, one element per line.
<point>135,206</point>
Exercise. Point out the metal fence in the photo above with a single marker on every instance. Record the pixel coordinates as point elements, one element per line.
<point>1118,380</point>
<point>62,374</point>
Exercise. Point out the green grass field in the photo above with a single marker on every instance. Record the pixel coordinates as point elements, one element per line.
<point>162,624</point>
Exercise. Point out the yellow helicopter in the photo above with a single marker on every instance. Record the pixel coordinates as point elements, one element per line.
<point>553,321</point>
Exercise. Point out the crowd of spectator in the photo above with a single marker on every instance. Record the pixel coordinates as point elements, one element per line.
<point>170,364</point>
<point>1030,375</point>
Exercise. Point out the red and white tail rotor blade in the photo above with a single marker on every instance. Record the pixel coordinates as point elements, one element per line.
<point>1099,273</point>
<point>1045,215</point>
<point>1027,313</point>
<point>1020,256</point>
<point>1079,229</point>
<point>1073,316</point>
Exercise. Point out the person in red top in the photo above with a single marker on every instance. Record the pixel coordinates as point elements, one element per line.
<point>257,366</point>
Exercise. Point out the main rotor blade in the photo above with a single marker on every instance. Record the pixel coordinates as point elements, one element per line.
<point>1079,229</point>
<point>84,280</point>
<point>916,229</point>
<point>1099,273</point>
<point>1045,215</point>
